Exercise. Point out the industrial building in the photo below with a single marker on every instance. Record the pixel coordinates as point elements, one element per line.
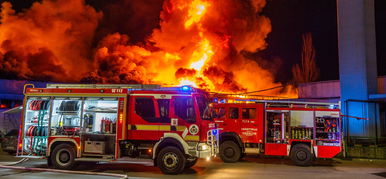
<point>365,135</point>
<point>11,96</point>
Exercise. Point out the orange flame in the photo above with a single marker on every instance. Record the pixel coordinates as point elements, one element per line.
<point>196,12</point>
<point>200,43</point>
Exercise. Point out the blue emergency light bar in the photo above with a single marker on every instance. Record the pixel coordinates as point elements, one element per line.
<point>186,88</point>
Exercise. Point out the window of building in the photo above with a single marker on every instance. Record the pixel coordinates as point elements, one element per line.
<point>249,113</point>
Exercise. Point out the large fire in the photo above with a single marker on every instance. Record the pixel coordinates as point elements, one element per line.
<point>198,42</point>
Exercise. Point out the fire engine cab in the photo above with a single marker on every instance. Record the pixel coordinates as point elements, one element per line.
<point>303,131</point>
<point>66,123</point>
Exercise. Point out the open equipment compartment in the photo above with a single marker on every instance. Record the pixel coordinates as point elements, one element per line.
<point>327,126</point>
<point>99,122</point>
<point>36,123</point>
<point>65,120</point>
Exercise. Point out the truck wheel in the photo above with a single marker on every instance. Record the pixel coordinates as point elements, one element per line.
<point>171,160</point>
<point>191,162</point>
<point>230,152</point>
<point>301,155</point>
<point>63,157</point>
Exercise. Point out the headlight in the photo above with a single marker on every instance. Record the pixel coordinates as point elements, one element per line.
<point>203,146</point>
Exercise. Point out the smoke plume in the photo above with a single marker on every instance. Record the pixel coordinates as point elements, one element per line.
<point>172,42</point>
<point>49,41</point>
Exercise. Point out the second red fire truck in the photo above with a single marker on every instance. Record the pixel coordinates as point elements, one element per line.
<point>66,123</point>
<point>303,131</point>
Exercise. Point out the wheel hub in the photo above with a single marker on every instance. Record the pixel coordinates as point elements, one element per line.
<point>63,157</point>
<point>170,160</point>
<point>301,155</point>
<point>229,152</point>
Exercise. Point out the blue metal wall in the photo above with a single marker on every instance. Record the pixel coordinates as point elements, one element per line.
<point>357,65</point>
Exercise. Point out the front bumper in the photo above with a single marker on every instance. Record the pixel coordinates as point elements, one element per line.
<point>205,153</point>
<point>207,149</point>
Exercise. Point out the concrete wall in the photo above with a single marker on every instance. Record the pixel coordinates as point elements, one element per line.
<point>357,65</point>
<point>331,89</point>
<point>13,89</point>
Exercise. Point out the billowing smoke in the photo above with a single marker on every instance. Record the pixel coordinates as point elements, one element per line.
<point>196,42</point>
<point>225,30</point>
<point>50,41</point>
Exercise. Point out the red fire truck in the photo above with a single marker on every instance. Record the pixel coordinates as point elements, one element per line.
<point>303,131</point>
<point>66,123</point>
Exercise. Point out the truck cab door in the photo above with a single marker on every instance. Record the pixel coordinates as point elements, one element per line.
<point>251,124</point>
<point>143,123</point>
<point>184,118</point>
<point>232,122</point>
<point>220,118</point>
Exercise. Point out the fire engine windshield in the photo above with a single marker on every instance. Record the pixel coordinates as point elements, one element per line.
<point>203,106</point>
<point>184,108</point>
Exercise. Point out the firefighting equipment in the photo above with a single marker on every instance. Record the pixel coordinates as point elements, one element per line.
<point>89,121</point>
<point>38,105</point>
<point>107,125</point>
<point>69,106</point>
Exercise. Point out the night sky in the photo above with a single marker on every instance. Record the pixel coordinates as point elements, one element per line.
<point>290,19</point>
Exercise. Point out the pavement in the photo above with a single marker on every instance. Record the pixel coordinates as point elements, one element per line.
<point>249,167</point>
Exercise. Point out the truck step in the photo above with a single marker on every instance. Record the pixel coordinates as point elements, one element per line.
<point>252,150</point>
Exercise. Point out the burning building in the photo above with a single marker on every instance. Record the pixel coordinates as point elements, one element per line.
<point>195,42</point>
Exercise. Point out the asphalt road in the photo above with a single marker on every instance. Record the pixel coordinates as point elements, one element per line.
<point>250,167</point>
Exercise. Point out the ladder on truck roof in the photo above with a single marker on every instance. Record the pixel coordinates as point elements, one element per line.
<point>302,104</point>
<point>271,101</point>
<point>105,86</point>
<point>294,104</point>
<point>130,87</point>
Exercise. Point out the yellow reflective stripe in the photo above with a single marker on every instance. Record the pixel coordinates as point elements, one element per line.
<point>192,137</point>
<point>147,127</point>
<point>150,127</point>
<point>164,127</point>
<point>181,128</point>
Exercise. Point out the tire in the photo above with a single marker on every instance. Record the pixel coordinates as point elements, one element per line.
<point>191,163</point>
<point>171,160</point>
<point>63,157</point>
<point>230,152</point>
<point>301,155</point>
